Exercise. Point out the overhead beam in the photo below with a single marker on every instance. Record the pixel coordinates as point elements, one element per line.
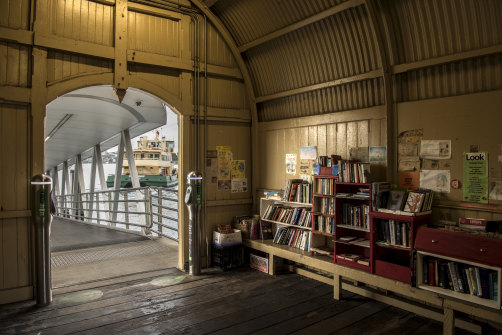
<point>364,76</point>
<point>15,94</point>
<point>300,24</point>
<point>71,45</point>
<point>150,10</point>
<point>16,35</point>
<point>396,69</point>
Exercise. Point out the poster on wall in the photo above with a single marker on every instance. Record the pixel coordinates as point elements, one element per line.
<point>378,154</point>
<point>290,163</point>
<point>238,169</point>
<point>435,149</point>
<point>411,136</point>
<point>308,152</point>
<point>360,154</point>
<point>475,165</point>
<point>496,190</point>
<point>224,157</point>
<point>239,185</point>
<point>436,180</point>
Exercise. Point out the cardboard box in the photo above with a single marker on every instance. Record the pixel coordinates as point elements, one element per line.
<point>258,263</point>
<point>227,239</point>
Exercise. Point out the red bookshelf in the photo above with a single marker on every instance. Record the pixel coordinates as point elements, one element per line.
<point>392,240</point>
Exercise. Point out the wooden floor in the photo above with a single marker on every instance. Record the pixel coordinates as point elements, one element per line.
<point>235,302</point>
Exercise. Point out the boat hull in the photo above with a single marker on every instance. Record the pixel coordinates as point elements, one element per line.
<point>146,180</point>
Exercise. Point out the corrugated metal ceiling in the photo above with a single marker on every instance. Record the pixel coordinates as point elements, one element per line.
<point>292,74</point>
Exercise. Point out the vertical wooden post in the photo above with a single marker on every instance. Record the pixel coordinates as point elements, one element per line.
<point>121,80</point>
<point>337,287</point>
<point>448,321</point>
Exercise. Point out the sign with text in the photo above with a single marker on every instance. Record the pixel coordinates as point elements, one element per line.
<point>475,173</point>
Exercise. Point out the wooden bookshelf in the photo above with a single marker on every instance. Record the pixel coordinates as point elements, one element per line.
<point>392,240</point>
<point>323,213</point>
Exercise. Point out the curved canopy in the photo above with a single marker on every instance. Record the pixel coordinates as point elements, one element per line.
<point>77,121</point>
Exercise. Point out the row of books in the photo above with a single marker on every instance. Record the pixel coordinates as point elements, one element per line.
<point>353,172</point>
<point>324,224</point>
<point>461,278</point>
<point>300,216</point>
<point>298,190</point>
<point>325,206</point>
<point>394,232</point>
<point>379,195</point>
<point>293,237</point>
<point>356,215</point>
<point>412,201</point>
<point>354,258</point>
<point>325,186</point>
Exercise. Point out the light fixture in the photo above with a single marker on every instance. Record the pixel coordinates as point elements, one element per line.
<point>59,125</point>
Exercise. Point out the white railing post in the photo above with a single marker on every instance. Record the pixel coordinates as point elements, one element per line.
<point>159,209</point>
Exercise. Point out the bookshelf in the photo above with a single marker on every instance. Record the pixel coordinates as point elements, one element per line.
<point>443,256</point>
<point>323,215</point>
<point>392,240</point>
<point>291,222</point>
<point>352,228</point>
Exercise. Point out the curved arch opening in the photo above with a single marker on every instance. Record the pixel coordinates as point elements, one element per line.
<point>85,129</point>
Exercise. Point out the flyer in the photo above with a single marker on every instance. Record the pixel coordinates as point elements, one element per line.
<point>290,163</point>
<point>475,165</point>
<point>435,149</point>
<point>238,169</point>
<point>239,185</point>
<point>308,152</point>
<point>378,154</point>
<point>436,180</point>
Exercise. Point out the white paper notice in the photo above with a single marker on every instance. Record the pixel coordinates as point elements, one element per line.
<point>239,185</point>
<point>290,163</point>
<point>435,149</point>
<point>436,180</point>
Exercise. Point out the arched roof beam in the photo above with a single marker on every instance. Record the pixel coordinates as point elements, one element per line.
<point>247,84</point>
<point>210,3</point>
<point>131,110</point>
<point>300,24</point>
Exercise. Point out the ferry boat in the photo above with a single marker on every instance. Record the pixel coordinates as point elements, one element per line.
<point>155,162</point>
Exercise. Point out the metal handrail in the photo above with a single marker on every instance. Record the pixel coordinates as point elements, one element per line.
<point>138,212</point>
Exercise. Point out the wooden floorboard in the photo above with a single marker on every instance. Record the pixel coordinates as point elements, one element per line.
<point>234,302</point>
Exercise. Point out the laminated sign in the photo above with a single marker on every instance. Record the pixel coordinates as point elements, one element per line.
<point>475,177</point>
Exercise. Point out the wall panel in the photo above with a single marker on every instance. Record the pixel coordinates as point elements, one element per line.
<point>168,80</point>
<point>15,14</point>
<point>154,34</point>
<point>224,93</point>
<point>332,134</point>
<point>64,66</point>
<point>218,52</point>
<point>81,20</point>
<point>14,64</point>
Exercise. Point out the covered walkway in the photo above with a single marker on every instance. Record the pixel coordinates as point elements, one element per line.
<point>83,253</point>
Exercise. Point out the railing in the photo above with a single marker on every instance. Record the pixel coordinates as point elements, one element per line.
<point>150,210</point>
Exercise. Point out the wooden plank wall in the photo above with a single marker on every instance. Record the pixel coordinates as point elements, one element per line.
<point>74,42</point>
<point>332,134</point>
<point>466,120</point>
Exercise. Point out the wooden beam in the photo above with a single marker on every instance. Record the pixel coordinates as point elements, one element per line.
<point>15,214</point>
<point>182,64</point>
<point>396,69</point>
<point>232,202</point>
<point>15,94</point>
<point>16,35</point>
<point>359,77</point>
<point>71,45</point>
<point>121,77</point>
<point>150,10</point>
<point>300,24</point>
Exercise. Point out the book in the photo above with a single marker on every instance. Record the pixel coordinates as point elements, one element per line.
<point>414,202</point>
<point>348,257</point>
<point>474,224</point>
<point>396,199</point>
<point>364,261</point>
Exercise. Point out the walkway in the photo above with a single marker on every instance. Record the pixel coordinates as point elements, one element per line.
<point>236,302</point>
<point>83,253</point>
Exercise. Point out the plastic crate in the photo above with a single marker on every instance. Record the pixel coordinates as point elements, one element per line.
<point>227,257</point>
